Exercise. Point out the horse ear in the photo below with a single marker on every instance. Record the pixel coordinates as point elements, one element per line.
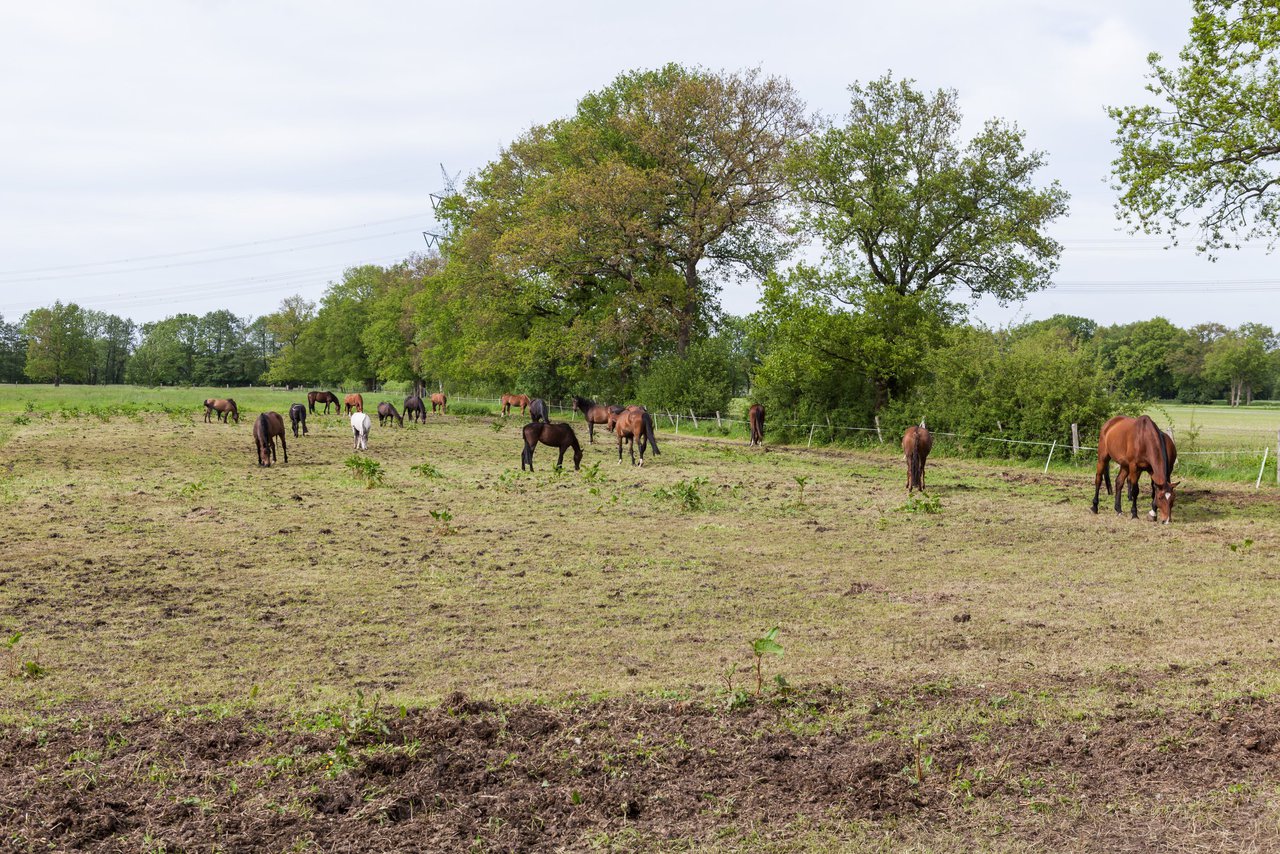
<point>1175,484</point>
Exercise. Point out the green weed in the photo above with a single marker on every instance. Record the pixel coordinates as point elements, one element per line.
<point>365,469</point>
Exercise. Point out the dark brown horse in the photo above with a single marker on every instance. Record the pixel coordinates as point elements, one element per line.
<point>386,411</point>
<point>265,430</point>
<point>439,399</point>
<point>1137,445</point>
<point>355,403</point>
<point>538,410</point>
<point>510,400</point>
<point>635,424</point>
<point>325,397</point>
<point>595,413</point>
<point>298,416</point>
<point>224,408</point>
<point>415,408</point>
<point>559,435</point>
<point>755,420</point>
<point>917,442</point>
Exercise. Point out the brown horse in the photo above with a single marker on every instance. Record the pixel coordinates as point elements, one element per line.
<point>635,423</point>
<point>1137,445</point>
<point>559,435</point>
<point>510,400</point>
<point>439,399</point>
<point>595,413</point>
<point>298,416</point>
<point>614,411</point>
<point>224,408</point>
<point>415,408</point>
<point>265,430</point>
<point>917,442</point>
<point>325,397</point>
<point>755,420</point>
<point>386,411</point>
<point>355,403</point>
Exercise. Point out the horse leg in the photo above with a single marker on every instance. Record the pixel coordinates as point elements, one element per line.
<point>284,447</point>
<point>560,461</point>
<point>643,444</point>
<point>591,438</point>
<point>1122,475</point>
<point>1134,476</point>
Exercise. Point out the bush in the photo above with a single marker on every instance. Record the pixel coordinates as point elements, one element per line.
<point>472,409</point>
<point>701,380</point>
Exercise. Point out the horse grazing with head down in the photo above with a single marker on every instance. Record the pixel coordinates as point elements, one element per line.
<point>386,412</point>
<point>355,403</point>
<point>360,425</point>
<point>224,408</point>
<point>415,408</point>
<point>510,400</point>
<point>559,435</point>
<point>635,424</point>
<point>439,399</point>
<point>917,442</point>
<point>755,421</point>
<point>538,410</point>
<point>1137,445</point>
<point>298,416</point>
<point>266,428</point>
<point>325,397</point>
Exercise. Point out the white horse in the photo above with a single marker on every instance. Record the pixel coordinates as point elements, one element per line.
<point>360,426</point>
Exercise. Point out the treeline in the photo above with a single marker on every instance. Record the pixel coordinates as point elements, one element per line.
<point>589,257</point>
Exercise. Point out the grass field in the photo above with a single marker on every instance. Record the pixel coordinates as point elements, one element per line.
<point>204,651</point>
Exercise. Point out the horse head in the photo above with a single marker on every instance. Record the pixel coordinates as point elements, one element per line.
<point>1165,496</point>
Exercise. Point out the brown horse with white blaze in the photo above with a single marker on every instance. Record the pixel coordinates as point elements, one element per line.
<point>1137,445</point>
<point>917,442</point>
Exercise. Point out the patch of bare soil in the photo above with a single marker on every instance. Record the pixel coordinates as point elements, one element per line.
<point>538,777</point>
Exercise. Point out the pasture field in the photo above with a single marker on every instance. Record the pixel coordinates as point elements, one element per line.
<point>199,654</point>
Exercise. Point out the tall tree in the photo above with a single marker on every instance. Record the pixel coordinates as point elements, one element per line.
<point>13,352</point>
<point>1207,154</point>
<point>59,347</point>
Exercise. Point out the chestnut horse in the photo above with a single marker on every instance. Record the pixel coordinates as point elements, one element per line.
<point>538,410</point>
<point>415,408</point>
<point>559,435</point>
<point>510,400</point>
<point>298,415</point>
<point>439,399</point>
<point>386,411</point>
<point>355,403</point>
<point>635,423</point>
<point>917,442</point>
<point>265,430</point>
<point>615,411</point>
<point>1137,445</point>
<point>595,413</point>
<point>325,397</point>
<point>224,408</point>
<point>755,420</point>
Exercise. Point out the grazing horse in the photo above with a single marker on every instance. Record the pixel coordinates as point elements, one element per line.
<point>415,408</point>
<point>325,397</point>
<point>538,410</point>
<point>559,435</point>
<point>298,415</point>
<point>595,413</point>
<point>510,400</point>
<point>635,423</point>
<point>387,411</point>
<point>265,430</point>
<point>1137,445</point>
<point>755,420</point>
<point>439,399</point>
<point>355,403</point>
<point>916,444</point>
<point>360,425</point>
<point>224,408</point>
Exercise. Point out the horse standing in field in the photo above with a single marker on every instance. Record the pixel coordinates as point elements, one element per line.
<point>360,425</point>
<point>224,408</point>
<point>755,421</point>
<point>266,428</point>
<point>510,400</point>
<point>538,410</point>
<point>325,397</point>
<point>635,423</point>
<point>298,416</point>
<point>917,442</point>
<point>355,403</point>
<point>595,413</point>
<point>439,399</point>
<point>1137,445</point>
<point>415,408</point>
<point>559,435</point>
<point>387,411</point>
<point>614,411</point>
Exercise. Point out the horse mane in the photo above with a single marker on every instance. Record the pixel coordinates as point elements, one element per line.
<point>1164,454</point>
<point>584,403</point>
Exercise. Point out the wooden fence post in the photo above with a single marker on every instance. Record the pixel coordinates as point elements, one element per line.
<point>1262,468</point>
<point>811,426</point>
<point>694,417</point>
<point>880,436</point>
<point>677,423</point>
<point>718,425</point>
<point>1075,439</point>
<point>1046,462</point>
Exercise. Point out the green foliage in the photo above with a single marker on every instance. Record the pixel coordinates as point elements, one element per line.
<point>59,347</point>
<point>471,409</point>
<point>686,491</point>
<point>365,469</point>
<point>16,666</point>
<point>701,380</point>
<point>426,470</point>
<point>766,644</point>
<point>920,503</point>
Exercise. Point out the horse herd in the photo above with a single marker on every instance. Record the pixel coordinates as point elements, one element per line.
<point>1136,445</point>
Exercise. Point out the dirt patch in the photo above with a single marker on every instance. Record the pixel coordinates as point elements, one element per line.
<point>540,777</point>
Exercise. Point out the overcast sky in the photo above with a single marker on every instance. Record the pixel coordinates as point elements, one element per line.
<point>297,139</point>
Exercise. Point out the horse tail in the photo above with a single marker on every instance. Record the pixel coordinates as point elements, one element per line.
<point>760,421</point>
<point>648,431</point>
<point>913,464</point>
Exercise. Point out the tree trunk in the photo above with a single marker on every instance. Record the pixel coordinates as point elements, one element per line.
<point>689,311</point>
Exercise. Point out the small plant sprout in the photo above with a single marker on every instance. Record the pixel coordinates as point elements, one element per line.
<point>365,469</point>
<point>426,470</point>
<point>766,644</point>
<point>801,480</point>
<point>443,517</point>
